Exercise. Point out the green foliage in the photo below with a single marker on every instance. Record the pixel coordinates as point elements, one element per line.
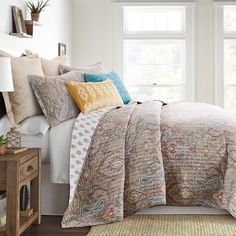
<point>38,7</point>
<point>3,140</point>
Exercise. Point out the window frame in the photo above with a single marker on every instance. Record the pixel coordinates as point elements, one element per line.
<point>220,85</point>
<point>189,36</point>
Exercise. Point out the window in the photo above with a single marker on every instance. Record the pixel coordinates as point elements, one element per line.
<point>155,51</point>
<point>226,57</point>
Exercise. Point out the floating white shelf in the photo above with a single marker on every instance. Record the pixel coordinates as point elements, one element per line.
<point>35,23</point>
<point>21,35</point>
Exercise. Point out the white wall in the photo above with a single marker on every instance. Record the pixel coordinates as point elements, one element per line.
<point>205,51</point>
<point>57,27</point>
<point>93,32</point>
<point>93,40</point>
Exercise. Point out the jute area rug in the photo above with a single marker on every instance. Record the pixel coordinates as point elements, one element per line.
<point>169,225</point>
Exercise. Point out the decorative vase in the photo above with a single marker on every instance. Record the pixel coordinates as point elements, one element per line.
<point>35,17</point>
<point>13,138</point>
<point>3,149</point>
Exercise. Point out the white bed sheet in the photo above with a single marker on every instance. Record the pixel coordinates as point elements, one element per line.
<point>59,148</point>
<point>38,141</point>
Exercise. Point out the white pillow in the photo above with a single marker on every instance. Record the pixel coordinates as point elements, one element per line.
<point>30,126</point>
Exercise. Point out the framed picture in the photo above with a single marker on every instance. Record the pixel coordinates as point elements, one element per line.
<point>18,20</point>
<point>61,49</point>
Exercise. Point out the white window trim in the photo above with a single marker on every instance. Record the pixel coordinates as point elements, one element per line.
<point>219,35</point>
<point>154,3</point>
<point>219,56</point>
<point>189,36</point>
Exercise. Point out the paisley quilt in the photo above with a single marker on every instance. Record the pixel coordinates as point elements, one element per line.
<point>145,155</point>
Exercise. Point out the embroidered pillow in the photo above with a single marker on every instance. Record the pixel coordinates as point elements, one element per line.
<point>94,69</point>
<point>93,96</point>
<point>54,98</point>
<point>115,79</point>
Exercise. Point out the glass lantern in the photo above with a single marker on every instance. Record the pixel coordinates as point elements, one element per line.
<point>13,138</point>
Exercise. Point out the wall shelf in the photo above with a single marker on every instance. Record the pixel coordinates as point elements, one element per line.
<point>35,23</point>
<point>21,35</point>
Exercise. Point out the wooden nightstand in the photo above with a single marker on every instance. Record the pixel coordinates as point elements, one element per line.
<point>15,171</point>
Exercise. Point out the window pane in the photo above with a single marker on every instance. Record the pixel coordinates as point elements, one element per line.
<point>230,61</point>
<point>158,62</point>
<point>229,18</point>
<point>166,94</point>
<point>139,19</point>
<point>231,100</point>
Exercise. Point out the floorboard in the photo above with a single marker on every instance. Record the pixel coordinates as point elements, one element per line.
<point>51,226</point>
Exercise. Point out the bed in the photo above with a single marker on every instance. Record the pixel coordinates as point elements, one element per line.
<point>56,165</point>
<point>67,148</point>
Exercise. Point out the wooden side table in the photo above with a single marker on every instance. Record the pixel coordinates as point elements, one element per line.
<point>17,170</point>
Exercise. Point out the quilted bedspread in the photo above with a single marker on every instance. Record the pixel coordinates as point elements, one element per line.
<point>147,155</point>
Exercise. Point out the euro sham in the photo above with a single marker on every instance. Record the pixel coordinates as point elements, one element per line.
<point>50,67</point>
<point>22,103</point>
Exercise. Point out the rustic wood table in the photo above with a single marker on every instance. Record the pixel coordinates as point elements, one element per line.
<point>17,170</point>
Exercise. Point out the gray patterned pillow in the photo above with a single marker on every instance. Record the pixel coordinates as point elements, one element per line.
<point>54,98</point>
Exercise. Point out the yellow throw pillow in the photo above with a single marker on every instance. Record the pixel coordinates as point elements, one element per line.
<point>93,96</point>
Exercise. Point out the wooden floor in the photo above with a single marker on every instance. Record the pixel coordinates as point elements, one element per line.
<point>51,226</point>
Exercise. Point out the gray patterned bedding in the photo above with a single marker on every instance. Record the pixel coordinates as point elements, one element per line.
<point>148,155</point>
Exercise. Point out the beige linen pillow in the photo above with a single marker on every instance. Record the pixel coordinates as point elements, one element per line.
<point>21,103</point>
<point>50,67</point>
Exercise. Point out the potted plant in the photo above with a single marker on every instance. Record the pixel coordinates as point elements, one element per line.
<point>36,8</point>
<point>3,145</point>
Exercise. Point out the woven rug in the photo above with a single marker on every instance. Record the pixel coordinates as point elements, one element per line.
<point>169,225</point>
